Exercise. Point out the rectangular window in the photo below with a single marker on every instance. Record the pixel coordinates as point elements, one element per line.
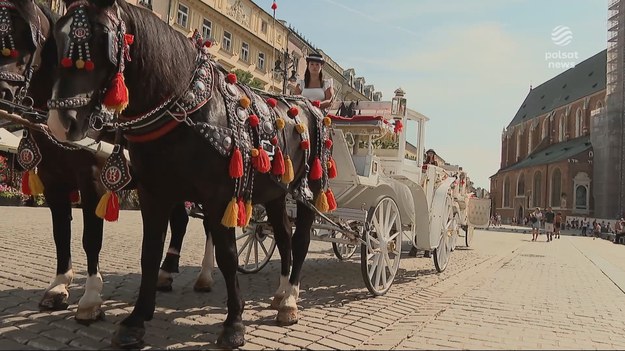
<point>207,28</point>
<point>245,52</point>
<point>183,15</point>
<point>261,61</point>
<point>227,42</point>
<point>263,27</point>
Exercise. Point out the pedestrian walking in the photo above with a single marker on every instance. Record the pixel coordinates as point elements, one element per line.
<point>550,216</point>
<point>535,218</point>
<point>558,225</point>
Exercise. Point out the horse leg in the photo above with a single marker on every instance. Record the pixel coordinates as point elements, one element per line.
<point>277,217</point>
<point>56,295</point>
<point>204,281</point>
<point>89,306</point>
<point>155,213</point>
<point>233,334</point>
<point>178,224</point>
<point>287,311</point>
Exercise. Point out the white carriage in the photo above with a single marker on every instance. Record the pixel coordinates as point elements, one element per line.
<point>383,194</point>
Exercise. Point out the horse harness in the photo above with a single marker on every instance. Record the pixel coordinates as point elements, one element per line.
<point>8,46</point>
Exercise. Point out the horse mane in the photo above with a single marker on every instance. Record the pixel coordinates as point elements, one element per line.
<point>163,59</point>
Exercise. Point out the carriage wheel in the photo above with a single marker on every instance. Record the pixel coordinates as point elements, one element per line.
<point>380,253</point>
<point>468,237</point>
<point>443,251</point>
<point>342,251</point>
<point>256,244</point>
<point>453,239</point>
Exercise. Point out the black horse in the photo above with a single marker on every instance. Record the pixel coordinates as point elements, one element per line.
<point>27,74</point>
<point>194,134</point>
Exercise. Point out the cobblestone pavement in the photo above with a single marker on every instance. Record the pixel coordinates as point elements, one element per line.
<point>505,292</point>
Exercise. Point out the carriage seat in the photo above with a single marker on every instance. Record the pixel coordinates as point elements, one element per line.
<point>361,125</point>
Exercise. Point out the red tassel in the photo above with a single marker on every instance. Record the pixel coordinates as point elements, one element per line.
<point>74,197</point>
<point>316,171</point>
<point>332,172</point>
<point>117,94</point>
<point>231,78</point>
<point>241,217</point>
<point>262,162</point>
<point>254,121</point>
<point>129,39</point>
<point>89,65</point>
<point>25,186</point>
<point>316,103</point>
<point>328,143</point>
<point>331,200</point>
<point>112,208</point>
<point>272,102</point>
<point>304,145</point>
<point>236,164</point>
<point>277,168</point>
<point>67,62</point>
<point>293,112</point>
<point>14,53</point>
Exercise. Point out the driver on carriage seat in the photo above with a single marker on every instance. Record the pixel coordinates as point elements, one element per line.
<point>313,86</point>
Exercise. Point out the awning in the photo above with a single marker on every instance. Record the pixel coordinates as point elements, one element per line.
<point>8,141</point>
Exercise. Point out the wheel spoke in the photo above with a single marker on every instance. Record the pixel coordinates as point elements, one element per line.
<point>262,246</point>
<point>250,237</point>
<point>256,253</point>
<point>378,271</point>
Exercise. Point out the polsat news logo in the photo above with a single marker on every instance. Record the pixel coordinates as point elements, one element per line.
<point>561,36</point>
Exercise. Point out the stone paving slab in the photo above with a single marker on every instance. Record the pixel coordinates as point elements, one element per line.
<point>503,293</point>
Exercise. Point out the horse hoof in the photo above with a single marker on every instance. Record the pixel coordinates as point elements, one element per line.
<point>89,316</point>
<point>202,287</point>
<point>287,316</point>
<point>56,302</point>
<point>164,284</point>
<point>164,288</point>
<point>275,303</point>
<point>128,338</point>
<point>232,337</point>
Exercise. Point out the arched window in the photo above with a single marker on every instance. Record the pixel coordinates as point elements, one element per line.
<point>518,145</point>
<point>579,123</point>
<point>545,129</point>
<point>506,192</point>
<point>520,185</point>
<point>556,188</point>
<point>561,128</point>
<point>599,104</point>
<point>537,188</point>
<point>581,195</point>
<point>529,140</point>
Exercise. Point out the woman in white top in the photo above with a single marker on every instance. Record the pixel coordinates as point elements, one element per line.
<point>314,87</point>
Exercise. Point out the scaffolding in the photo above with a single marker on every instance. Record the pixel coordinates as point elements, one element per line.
<point>607,124</point>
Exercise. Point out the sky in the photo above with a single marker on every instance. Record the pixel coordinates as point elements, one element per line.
<point>465,64</point>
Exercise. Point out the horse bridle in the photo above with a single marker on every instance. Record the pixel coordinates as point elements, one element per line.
<point>118,54</point>
<point>6,34</point>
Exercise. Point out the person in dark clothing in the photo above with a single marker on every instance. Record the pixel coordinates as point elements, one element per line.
<point>549,219</point>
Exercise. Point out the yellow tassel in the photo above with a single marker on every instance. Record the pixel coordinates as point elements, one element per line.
<point>229,220</point>
<point>321,203</point>
<point>248,212</point>
<point>288,175</point>
<point>100,210</point>
<point>34,182</point>
<point>279,123</point>
<point>300,128</point>
<point>254,152</point>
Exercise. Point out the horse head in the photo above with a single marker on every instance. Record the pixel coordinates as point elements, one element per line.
<point>25,27</point>
<point>97,73</point>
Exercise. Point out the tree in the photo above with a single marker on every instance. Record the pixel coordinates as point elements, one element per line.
<point>245,77</point>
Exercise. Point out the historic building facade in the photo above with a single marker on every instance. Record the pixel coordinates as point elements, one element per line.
<point>546,154</point>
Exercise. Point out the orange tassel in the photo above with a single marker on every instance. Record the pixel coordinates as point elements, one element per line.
<point>261,162</point>
<point>277,167</point>
<point>229,219</point>
<point>316,171</point>
<point>241,217</point>
<point>288,175</point>
<point>117,94</point>
<point>331,200</point>
<point>236,164</point>
<point>332,172</point>
<point>112,208</point>
<point>25,187</point>
<point>321,202</point>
